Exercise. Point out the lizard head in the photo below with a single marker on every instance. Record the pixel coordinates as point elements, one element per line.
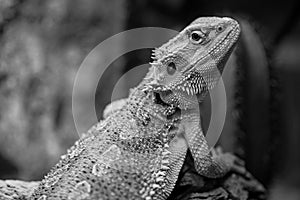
<point>192,62</point>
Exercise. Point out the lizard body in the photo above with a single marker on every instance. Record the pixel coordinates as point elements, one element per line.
<point>129,155</point>
<point>137,151</point>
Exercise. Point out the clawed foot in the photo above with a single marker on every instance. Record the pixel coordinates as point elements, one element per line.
<point>235,164</point>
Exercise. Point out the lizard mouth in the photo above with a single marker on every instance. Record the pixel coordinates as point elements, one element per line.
<point>193,85</point>
<point>176,98</point>
<point>158,99</point>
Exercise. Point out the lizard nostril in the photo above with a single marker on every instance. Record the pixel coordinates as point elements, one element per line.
<point>171,68</point>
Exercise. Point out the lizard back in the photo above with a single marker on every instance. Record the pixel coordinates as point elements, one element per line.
<point>125,156</point>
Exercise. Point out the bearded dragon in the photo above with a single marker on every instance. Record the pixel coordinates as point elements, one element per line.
<point>137,151</point>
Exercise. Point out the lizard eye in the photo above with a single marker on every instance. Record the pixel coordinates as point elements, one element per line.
<point>197,37</point>
<point>220,28</point>
<point>171,68</point>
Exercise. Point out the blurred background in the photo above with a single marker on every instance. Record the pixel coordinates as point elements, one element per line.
<point>42,44</point>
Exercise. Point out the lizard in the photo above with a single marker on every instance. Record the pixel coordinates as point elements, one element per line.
<point>137,151</point>
<point>185,69</point>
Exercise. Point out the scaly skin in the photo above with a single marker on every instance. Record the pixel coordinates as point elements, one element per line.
<point>138,150</point>
<point>185,69</point>
<point>129,155</point>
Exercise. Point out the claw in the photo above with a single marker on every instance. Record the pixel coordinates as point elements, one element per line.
<point>239,161</point>
<point>239,170</point>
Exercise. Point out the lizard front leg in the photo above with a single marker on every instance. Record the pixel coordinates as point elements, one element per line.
<point>205,164</point>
